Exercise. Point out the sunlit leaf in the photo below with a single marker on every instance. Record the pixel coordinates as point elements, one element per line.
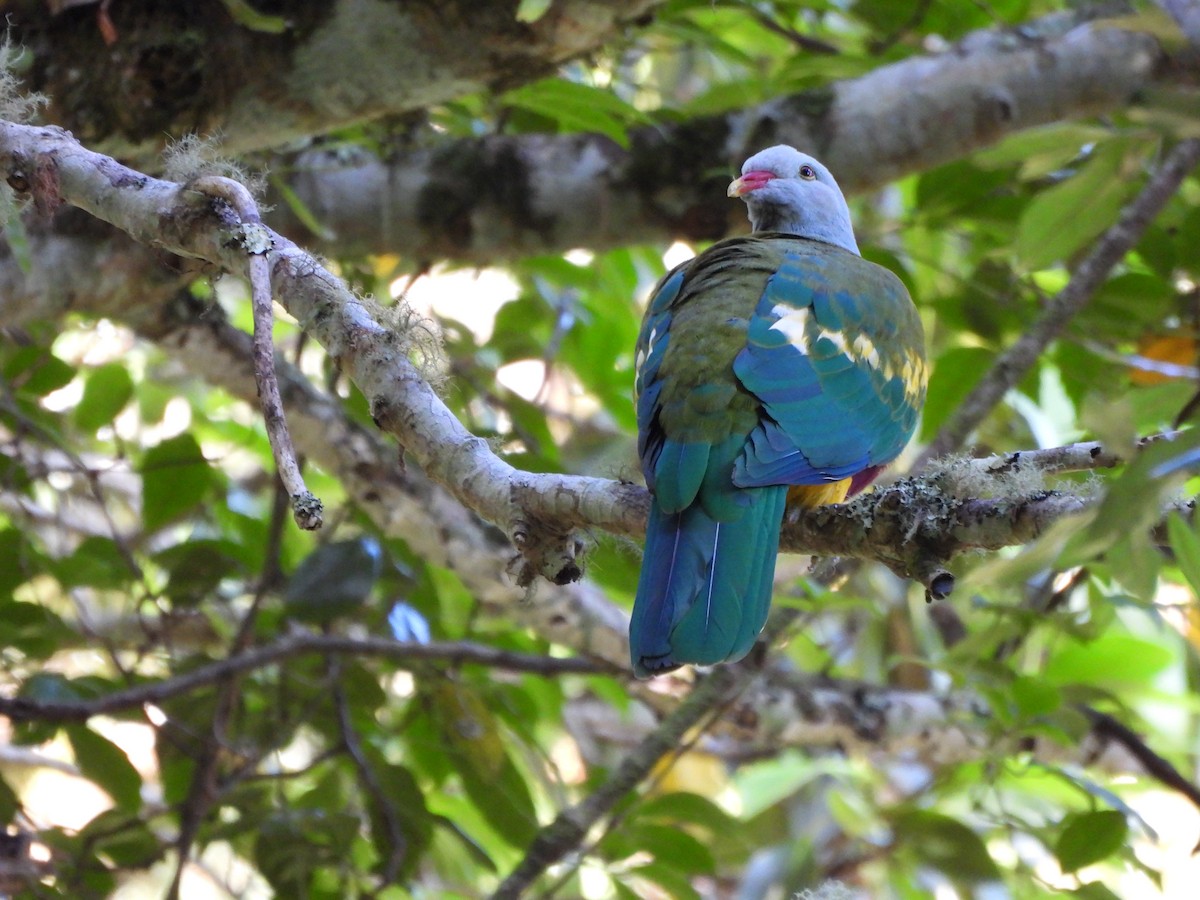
<point>97,562</point>
<point>105,393</point>
<point>106,764</point>
<point>1062,218</point>
<point>1186,545</point>
<point>1111,660</point>
<point>175,478</point>
<point>1034,697</point>
<point>1089,837</point>
<point>577,107</point>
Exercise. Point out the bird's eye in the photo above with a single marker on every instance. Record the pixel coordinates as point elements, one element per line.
<point>808,173</point>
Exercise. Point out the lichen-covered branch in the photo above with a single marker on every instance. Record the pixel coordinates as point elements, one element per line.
<point>98,272</point>
<point>786,710</point>
<point>255,240</point>
<point>765,715</point>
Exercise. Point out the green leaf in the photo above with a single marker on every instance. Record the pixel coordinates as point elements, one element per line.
<point>1112,660</point>
<point>468,843</point>
<point>244,13</point>
<point>1065,217</point>
<point>293,844</point>
<point>577,107</point>
<point>105,393</point>
<point>407,804</point>
<point>1089,837</point>
<point>945,844</point>
<point>682,807</point>
<point>195,568</point>
<point>473,742</point>
<point>36,372</point>
<point>97,562</point>
<point>955,373</point>
<point>175,478</point>
<point>954,188</point>
<point>123,838</point>
<point>532,10</point>
<point>503,799</point>
<point>675,883</point>
<point>673,846</point>
<point>106,764</point>
<point>1094,890</point>
<point>16,236</point>
<point>1041,151</point>
<point>21,560</point>
<point>1186,545</point>
<point>762,785</point>
<point>334,580</point>
<point>8,801</point>
<point>1034,697</point>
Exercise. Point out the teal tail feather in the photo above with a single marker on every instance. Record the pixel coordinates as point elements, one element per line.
<point>705,585</point>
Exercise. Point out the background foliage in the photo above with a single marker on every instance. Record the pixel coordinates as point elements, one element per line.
<point>142,536</point>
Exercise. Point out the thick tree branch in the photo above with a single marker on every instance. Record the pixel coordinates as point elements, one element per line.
<point>1081,457</point>
<point>787,710</point>
<point>176,68</point>
<point>512,196</point>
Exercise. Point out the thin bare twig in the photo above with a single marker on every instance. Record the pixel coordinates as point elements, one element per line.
<point>1158,768</point>
<point>1086,280</point>
<point>570,828</point>
<point>406,656</point>
<point>398,844</point>
<point>256,240</point>
<point>803,41</point>
<point>203,790</point>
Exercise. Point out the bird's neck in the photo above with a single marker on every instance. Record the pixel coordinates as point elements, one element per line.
<point>829,230</point>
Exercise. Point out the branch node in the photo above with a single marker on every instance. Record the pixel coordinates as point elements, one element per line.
<point>255,238</point>
<point>940,587</point>
<point>308,511</point>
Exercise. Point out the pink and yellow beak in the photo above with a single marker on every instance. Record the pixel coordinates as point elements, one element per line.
<point>750,181</point>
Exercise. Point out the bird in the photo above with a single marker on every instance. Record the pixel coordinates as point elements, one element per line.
<point>773,368</point>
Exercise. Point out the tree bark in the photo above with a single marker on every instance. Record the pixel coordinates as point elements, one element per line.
<point>125,78</point>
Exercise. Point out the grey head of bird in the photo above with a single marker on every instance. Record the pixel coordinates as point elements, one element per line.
<point>789,191</point>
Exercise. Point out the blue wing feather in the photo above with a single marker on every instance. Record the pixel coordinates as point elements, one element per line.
<point>829,411</point>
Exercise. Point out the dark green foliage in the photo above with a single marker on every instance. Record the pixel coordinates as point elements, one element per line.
<point>333,580</point>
